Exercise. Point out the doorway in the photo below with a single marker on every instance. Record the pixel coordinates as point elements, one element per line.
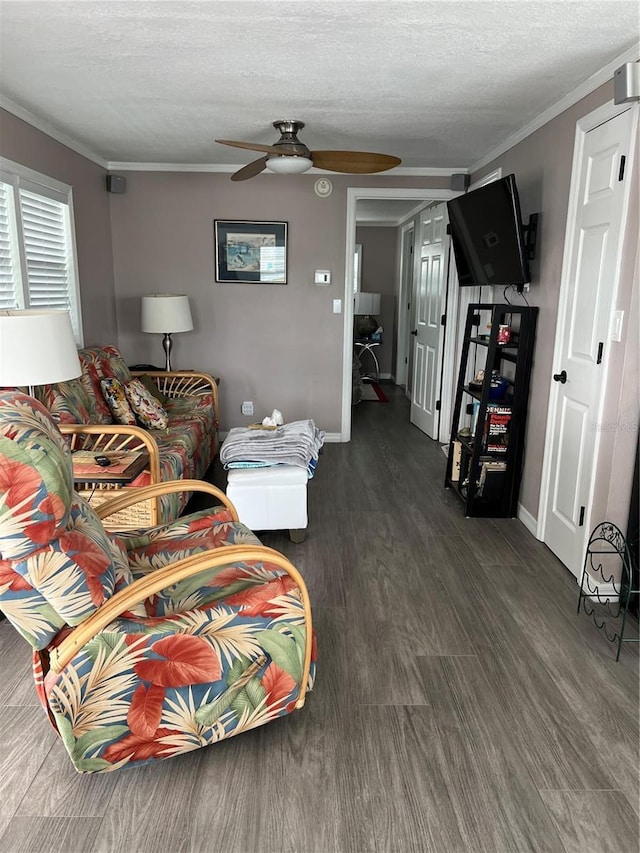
<point>422,197</point>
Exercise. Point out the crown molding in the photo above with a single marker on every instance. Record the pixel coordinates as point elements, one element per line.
<point>382,223</point>
<point>52,131</point>
<point>118,166</point>
<point>581,91</point>
<point>229,168</point>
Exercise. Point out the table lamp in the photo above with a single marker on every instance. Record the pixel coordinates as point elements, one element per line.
<point>37,347</point>
<point>166,313</point>
<point>366,304</point>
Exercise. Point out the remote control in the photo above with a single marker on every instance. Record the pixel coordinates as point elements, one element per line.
<point>103,461</point>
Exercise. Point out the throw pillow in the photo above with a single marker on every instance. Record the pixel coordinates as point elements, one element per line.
<point>153,389</point>
<point>116,399</point>
<point>149,412</point>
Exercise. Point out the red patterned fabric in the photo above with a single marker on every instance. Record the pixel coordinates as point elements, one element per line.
<point>188,444</point>
<point>100,411</point>
<point>220,651</point>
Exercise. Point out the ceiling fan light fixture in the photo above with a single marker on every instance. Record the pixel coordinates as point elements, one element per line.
<point>287,164</point>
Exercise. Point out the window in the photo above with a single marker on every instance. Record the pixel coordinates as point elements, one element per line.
<point>357,268</point>
<point>37,247</point>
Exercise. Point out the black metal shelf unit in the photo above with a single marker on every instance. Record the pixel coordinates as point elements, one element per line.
<point>486,450</point>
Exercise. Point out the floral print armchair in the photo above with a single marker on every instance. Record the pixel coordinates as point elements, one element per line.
<point>149,643</point>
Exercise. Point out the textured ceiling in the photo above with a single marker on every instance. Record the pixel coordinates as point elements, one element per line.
<point>439,84</point>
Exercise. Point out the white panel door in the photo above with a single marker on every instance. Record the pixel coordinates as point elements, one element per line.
<point>581,352</point>
<point>428,304</point>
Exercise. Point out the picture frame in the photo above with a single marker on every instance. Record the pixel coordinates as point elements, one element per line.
<point>250,252</point>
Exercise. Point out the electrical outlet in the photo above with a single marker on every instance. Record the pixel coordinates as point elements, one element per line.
<point>247,407</point>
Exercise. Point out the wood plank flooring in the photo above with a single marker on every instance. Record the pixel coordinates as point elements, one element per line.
<point>461,705</point>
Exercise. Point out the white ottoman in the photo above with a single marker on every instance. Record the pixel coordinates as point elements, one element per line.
<point>271,498</point>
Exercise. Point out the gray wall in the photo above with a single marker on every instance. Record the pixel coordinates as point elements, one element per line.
<point>379,275</point>
<point>542,165</point>
<point>278,345</point>
<point>28,146</point>
<point>281,346</point>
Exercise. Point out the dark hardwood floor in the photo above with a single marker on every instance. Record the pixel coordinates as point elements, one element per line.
<point>460,703</point>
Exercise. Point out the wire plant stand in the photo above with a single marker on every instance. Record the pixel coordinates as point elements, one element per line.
<point>606,584</point>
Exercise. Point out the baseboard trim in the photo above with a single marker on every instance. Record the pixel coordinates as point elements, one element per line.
<point>528,520</point>
<point>606,593</point>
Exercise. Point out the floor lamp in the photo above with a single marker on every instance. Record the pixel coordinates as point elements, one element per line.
<point>166,313</point>
<point>36,348</point>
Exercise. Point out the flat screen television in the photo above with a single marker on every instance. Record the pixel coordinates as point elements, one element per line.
<point>488,236</point>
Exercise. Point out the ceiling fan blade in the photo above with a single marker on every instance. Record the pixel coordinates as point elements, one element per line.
<point>354,162</point>
<point>250,170</point>
<point>252,146</point>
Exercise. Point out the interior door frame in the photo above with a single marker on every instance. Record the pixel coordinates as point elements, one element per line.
<point>404,294</point>
<point>425,215</point>
<point>585,124</point>
<point>353,195</point>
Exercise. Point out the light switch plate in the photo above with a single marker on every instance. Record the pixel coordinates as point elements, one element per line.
<point>337,306</point>
<point>322,277</point>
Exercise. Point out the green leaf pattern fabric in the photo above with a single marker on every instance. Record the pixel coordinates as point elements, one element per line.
<point>187,444</point>
<point>209,657</point>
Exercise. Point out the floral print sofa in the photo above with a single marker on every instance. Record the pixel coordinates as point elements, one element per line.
<point>181,451</point>
<point>150,643</point>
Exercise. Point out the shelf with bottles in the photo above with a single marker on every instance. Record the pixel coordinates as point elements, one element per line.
<point>487,439</point>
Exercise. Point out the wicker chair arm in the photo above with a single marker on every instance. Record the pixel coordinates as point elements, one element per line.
<point>115,437</point>
<point>180,383</point>
<point>153,583</point>
<point>129,497</point>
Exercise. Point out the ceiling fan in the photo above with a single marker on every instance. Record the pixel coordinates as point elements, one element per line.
<point>289,156</point>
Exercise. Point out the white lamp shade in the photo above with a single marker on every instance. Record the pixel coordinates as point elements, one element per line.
<point>366,303</point>
<point>166,312</point>
<point>37,347</point>
<point>288,164</point>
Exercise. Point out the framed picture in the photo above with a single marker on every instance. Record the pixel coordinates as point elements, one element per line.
<point>251,251</point>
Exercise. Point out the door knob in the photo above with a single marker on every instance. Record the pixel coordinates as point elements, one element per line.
<point>414,332</point>
<point>560,377</point>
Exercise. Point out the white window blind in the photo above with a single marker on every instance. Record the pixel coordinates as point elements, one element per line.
<point>37,250</point>
<point>46,249</point>
<point>9,282</point>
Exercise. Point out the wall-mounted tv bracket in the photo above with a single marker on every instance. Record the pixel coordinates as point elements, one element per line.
<point>531,236</point>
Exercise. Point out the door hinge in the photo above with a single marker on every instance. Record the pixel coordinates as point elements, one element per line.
<point>448,228</point>
<point>623,163</point>
<point>406,360</point>
<point>438,404</point>
<point>581,522</point>
<point>443,320</point>
<point>599,357</point>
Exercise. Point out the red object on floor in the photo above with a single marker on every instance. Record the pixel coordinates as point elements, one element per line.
<point>380,395</point>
